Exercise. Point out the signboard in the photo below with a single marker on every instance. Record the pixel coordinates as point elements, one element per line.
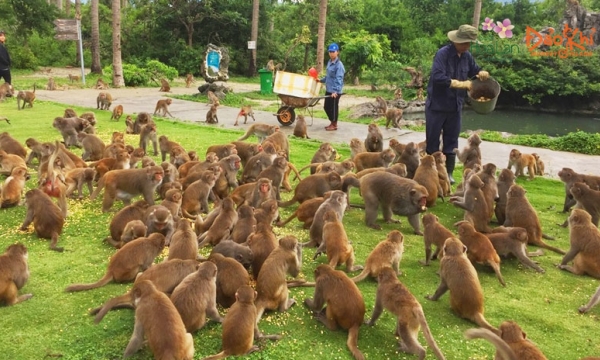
<point>251,45</point>
<point>70,29</point>
<point>66,36</point>
<point>213,59</point>
<point>65,26</point>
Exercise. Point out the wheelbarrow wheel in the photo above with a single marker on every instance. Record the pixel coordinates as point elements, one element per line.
<point>286,115</point>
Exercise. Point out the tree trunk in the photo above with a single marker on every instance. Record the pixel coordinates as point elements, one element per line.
<point>78,17</point>
<point>118,80</point>
<point>254,36</point>
<point>321,34</point>
<point>68,8</point>
<point>59,5</point>
<point>306,52</point>
<point>124,3</point>
<point>477,14</point>
<point>96,67</point>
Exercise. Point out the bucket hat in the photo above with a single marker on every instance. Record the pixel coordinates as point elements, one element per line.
<point>464,34</point>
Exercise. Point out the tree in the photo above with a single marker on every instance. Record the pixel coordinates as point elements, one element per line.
<point>363,50</point>
<point>321,34</point>
<point>254,36</point>
<point>191,12</point>
<point>96,66</point>
<point>118,80</point>
<point>477,13</point>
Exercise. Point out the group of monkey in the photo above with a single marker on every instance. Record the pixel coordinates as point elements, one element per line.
<point>174,298</point>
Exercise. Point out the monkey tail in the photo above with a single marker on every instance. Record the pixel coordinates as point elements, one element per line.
<point>501,346</point>
<point>295,170</point>
<point>283,223</point>
<point>363,275</point>
<point>547,237</point>
<point>97,189</point>
<point>352,342</point>
<point>308,166</point>
<point>246,135</point>
<point>123,301</point>
<point>220,355</point>
<point>80,287</point>
<point>552,248</point>
<point>481,321</point>
<point>188,215</point>
<point>350,181</point>
<point>287,203</point>
<point>418,312</point>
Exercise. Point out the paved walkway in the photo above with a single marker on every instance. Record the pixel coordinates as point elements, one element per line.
<point>144,99</point>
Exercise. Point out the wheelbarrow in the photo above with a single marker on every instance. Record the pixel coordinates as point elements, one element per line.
<point>286,115</point>
<point>295,92</point>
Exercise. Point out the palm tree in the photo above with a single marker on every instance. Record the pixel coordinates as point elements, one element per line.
<point>477,13</point>
<point>96,67</point>
<point>254,35</point>
<point>118,80</point>
<point>321,34</point>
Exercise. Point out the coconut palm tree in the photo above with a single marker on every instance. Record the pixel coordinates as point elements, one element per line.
<point>96,67</point>
<point>118,80</point>
<point>321,34</point>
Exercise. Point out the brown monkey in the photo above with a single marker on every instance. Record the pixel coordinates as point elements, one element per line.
<point>398,94</point>
<point>440,165</point>
<point>593,302</point>
<point>246,150</point>
<point>147,134</point>
<point>12,190</point>
<point>243,227</point>
<point>569,177</point>
<point>520,213</point>
<point>172,200</point>
<point>397,146</point>
<point>262,241</point>
<point>522,161</point>
<point>323,154</point>
<point>135,211</point>
<point>70,113</point>
<point>427,175</point>
<point>197,174</point>
<point>252,192</point>
<point>211,115</point>
<point>136,156</point>
<point>184,244</point>
<point>306,211</point>
<point>221,228</point>
<point>195,196</point>
<point>28,97</point>
<point>47,218</point>
<point>36,150</point>
<point>117,113</point>
<point>135,256</point>
<point>268,212</point>
<point>178,156</point>
<point>240,326</point>
<point>434,233</point>
<point>387,253</point>
<point>585,245</point>
<point>164,85</point>
<point>134,229</point>
<point>103,101</point>
<point>374,140</point>
<point>506,179</point>
<point>260,130</point>
<point>147,162</point>
<point>410,157</point>
<point>374,159</point>
<point>471,154</point>
<point>101,85</point>
<point>300,129</point>
<point>258,163</point>
<point>129,125</point>
<point>14,273</point>
<point>314,186</point>
<point>459,276</point>
<point>513,241</point>
<point>73,78</point>
<point>163,106</point>
<point>166,146</point>
<point>51,85</point>
<point>335,243</point>
<point>212,98</point>
<point>222,150</point>
<point>157,319</point>
<point>345,306</point>
<point>10,161</point>
<point>141,119</point>
<point>275,173</point>
<point>121,161</point>
<point>125,184</point>
<point>474,204</point>
<point>271,282</point>
<point>480,248</point>
<point>245,111</point>
<point>6,90</point>
<point>231,275</point>
<point>11,145</point>
<point>93,147</point>
<point>195,297</point>
<point>396,169</point>
<point>357,146</point>
<point>392,115</point>
<point>240,253</point>
<point>540,168</point>
<point>512,343</point>
<point>587,199</point>
<point>193,155</point>
<point>336,201</point>
<point>158,219</point>
<point>397,299</point>
<point>189,79</point>
<point>76,178</point>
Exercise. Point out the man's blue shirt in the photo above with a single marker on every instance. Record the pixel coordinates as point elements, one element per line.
<point>334,81</point>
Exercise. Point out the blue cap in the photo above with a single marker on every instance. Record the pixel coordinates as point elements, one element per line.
<point>333,47</point>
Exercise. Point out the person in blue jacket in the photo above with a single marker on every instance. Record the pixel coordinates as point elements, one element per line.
<point>334,82</point>
<point>453,66</point>
<point>4,59</point>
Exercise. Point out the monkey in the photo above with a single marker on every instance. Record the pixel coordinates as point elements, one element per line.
<point>157,319</point>
<point>129,125</point>
<point>147,134</point>
<point>306,211</point>
<point>374,140</point>
<point>158,219</point>
<point>374,159</point>
<point>391,115</point>
<point>6,90</point>
<point>10,161</point>
<point>314,186</point>
<point>222,225</point>
<point>211,115</point>
<point>134,229</point>
<point>246,150</point>
<point>427,175</point>
<point>239,252</point>
<point>271,283</point>
<point>434,233</point>
<point>480,248</point>
<point>76,178</point>
<point>262,241</point>
<point>135,256</point>
<point>164,85</point>
<point>410,157</point>
<point>166,146</point>
<point>540,167</point>
<point>212,98</point>
<point>584,245</point>
<point>125,184</point>
<point>195,297</point>
<point>397,146</point>
<point>68,129</point>
<point>258,163</point>
<point>260,130</point>
<point>93,147</point>
<point>231,275</point>
<point>141,119</point>
<point>73,78</point>
<point>230,166</point>
<point>12,190</point>
<point>90,117</point>
<point>245,224</point>
<point>47,218</point>
<point>193,155</point>
<point>222,150</point>
<point>262,191</point>
<point>117,113</point>
<point>101,85</point>
<point>163,105</point>
<point>511,344</point>
<point>323,154</point>
<point>357,146</point>
<point>398,94</point>
<point>12,146</point>
<point>121,161</point>
<point>337,201</point>
<point>136,156</point>
<point>14,273</point>
<point>245,111</point>
<point>172,201</point>
<point>388,253</point>
<point>397,299</point>
<point>471,154</point>
<point>240,326</point>
<point>513,241</point>
<point>474,204</point>
<point>189,79</point>
<point>197,173</point>
<point>593,302</point>
<point>440,165</point>
<point>268,212</point>
<point>459,276</point>
<point>275,173</point>
<point>506,179</point>
<point>28,97</point>
<point>195,196</point>
<point>520,213</point>
<point>36,151</point>
<point>396,169</point>
<point>135,211</point>
<point>191,166</point>
<point>569,177</point>
<point>522,161</point>
<point>280,142</point>
<point>300,129</point>
<point>51,85</point>
<point>345,306</point>
<point>587,199</point>
<point>103,101</point>
<point>335,243</point>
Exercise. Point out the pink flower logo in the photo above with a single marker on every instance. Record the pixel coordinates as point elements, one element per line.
<point>488,24</point>
<point>504,28</point>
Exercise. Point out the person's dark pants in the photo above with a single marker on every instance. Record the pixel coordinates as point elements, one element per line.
<point>331,107</point>
<point>448,125</point>
<point>5,74</point>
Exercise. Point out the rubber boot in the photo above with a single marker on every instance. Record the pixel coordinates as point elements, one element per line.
<point>450,161</point>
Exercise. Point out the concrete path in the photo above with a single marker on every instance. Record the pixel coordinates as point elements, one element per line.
<point>144,99</point>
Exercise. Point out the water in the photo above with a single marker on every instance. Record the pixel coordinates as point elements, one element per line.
<point>525,122</point>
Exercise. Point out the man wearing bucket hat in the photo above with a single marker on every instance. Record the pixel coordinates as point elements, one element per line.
<point>453,66</point>
<point>4,59</point>
<point>334,82</point>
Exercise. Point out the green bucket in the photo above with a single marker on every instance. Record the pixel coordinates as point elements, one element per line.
<point>483,95</point>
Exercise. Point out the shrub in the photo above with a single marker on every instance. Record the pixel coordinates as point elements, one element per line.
<point>157,70</point>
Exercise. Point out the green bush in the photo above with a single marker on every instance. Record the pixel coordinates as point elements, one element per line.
<point>51,52</point>
<point>132,75</point>
<point>23,58</point>
<point>157,70</point>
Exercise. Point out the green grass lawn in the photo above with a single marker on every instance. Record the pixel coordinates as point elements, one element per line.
<point>56,324</point>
